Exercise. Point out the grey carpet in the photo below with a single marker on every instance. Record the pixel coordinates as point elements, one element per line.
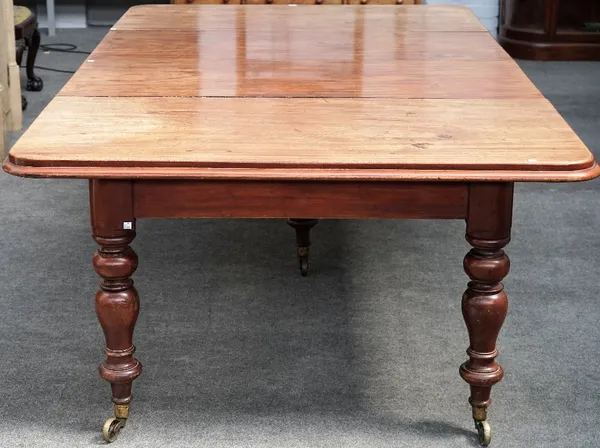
<point>240,351</point>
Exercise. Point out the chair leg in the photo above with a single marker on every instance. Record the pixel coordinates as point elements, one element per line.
<point>20,50</point>
<point>19,60</point>
<point>34,83</point>
<point>303,227</point>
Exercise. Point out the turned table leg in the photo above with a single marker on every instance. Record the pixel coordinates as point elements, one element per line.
<point>302,227</point>
<point>117,301</point>
<point>484,303</point>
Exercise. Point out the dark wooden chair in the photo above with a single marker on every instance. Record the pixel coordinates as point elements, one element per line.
<point>27,37</point>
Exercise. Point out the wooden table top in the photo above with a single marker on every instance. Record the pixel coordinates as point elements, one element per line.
<point>306,92</point>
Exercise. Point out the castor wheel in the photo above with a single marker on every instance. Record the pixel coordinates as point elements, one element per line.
<point>303,259</point>
<point>484,431</point>
<point>303,267</point>
<point>111,429</point>
<point>35,84</point>
<point>302,227</point>
<point>113,426</point>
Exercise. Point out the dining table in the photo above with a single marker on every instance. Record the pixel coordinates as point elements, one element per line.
<point>303,112</point>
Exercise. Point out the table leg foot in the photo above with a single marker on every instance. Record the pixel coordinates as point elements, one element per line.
<point>302,227</point>
<point>117,307</point>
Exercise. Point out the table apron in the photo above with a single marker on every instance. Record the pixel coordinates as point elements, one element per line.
<point>283,199</point>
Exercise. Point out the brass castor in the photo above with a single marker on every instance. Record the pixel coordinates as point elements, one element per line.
<point>303,259</point>
<point>484,431</point>
<point>112,427</point>
<point>302,227</point>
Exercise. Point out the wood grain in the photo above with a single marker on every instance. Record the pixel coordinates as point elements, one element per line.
<point>302,133</point>
<point>409,79</point>
<point>209,17</point>
<point>347,93</point>
<point>378,44</point>
<point>282,51</point>
<point>227,199</point>
<point>280,64</point>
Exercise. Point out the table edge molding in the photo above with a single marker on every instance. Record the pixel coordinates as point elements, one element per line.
<point>301,174</point>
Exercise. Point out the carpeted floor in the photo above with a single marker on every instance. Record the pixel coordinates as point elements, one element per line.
<point>240,351</point>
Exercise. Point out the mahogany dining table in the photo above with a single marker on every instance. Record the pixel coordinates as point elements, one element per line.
<point>309,112</point>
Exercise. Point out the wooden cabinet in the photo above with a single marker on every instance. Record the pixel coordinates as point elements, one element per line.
<point>551,29</point>
<point>300,2</point>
